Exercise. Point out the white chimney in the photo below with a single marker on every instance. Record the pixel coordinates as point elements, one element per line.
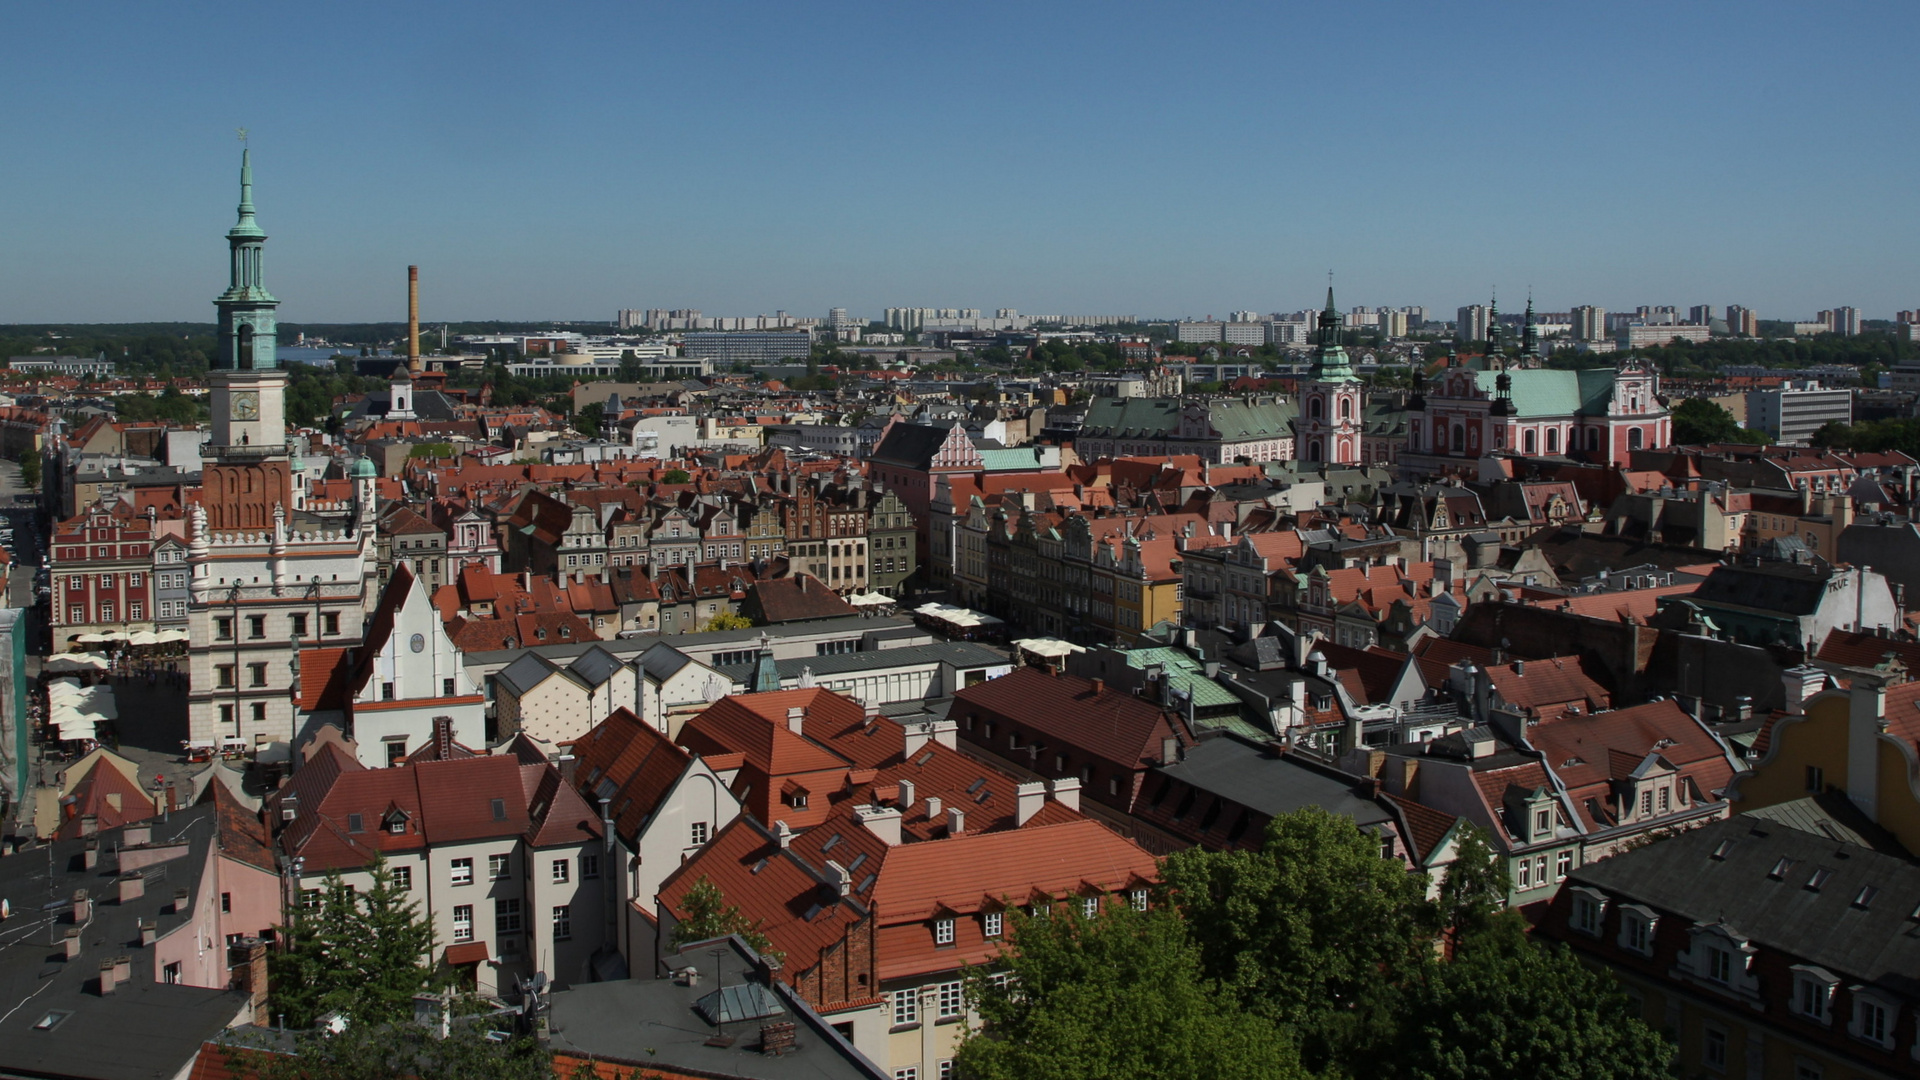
<point>842,880</point>
<point>782,834</point>
<point>1066,792</point>
<point>947,733</point>
<point>918,735</point>
<point>1028,798</point>
<point>881,821</point>
<point>934,804</point>
<point>1802,683</point>
<point>796,717</point>
<point>906,795</point>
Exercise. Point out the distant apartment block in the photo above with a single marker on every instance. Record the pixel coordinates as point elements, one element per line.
<point>1843,320</point>
<point>1198,331</point>
<point>748,347</point>
<point>1471,322</point>
<point>79,366</point>
<point>1742,321</point>
<point>1589,322</point>
<point>1638,335</point>
<point>1794,412</point>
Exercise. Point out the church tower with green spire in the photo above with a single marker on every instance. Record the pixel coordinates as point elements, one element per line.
<point>1329,426</point>
<point>248,476</point>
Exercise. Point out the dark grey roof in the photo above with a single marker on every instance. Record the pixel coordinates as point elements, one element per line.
<point>960,654</point>
<point>1831,814</point>
<point>662,660</point>
<point>630,648</point>
<point>656,1024</point>
<point>525,673</point>
<point>1270,783</point>
<point>912,445</point>
<point>1781,589</point>
<point>1824,926</point>
<point>595,666</point>
<point>145,1028</point>
<point>427,405</point>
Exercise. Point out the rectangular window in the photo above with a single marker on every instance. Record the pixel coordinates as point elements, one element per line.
<point>911,1072</point>
<point>1540,869</point>
<point>1646,802</point>
<point>1089,906</point>
<point>991,922</point>
<point>952,1000</point>
<point>589,867</point>
<point>226,714</point>
<point>497,867</point>
<point>136,610</point>
<point>224,673</point>
<point>1524,867</point>
<point>699,829</point>
<point>133,581</point>
<point>330,622</point>
<point>1666,799</point>
<point>226,903</point>
<point>259,712</point>
<point>462,872</point>
<point>563,923</point>
<point>256,674</point>
<point>300,625</point>
<point>562,871</point>
<point>1872,1021</point>
<point>447,688</point>
<point>1713,1048</point>
<point>1138,898</point>
<point>256,627</point>
<point>386,691</point>
<point>1637,935</point>
<point>906,1007</point>
<point>76,615</point>
<point>506,915</point>
<point>1562,865</point>
<point>403,878</point>
<point>1816,779</point>
<point>463,922</point>
<point>106,581</point>
<point>106,612</point>
<point>943,931</point>
<point>310,899</point>
<point>1719,965</point>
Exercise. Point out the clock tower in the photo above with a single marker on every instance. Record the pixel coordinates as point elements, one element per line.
<point>248,474</point>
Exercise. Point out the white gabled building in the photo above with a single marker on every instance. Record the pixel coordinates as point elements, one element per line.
<point>550,704</point>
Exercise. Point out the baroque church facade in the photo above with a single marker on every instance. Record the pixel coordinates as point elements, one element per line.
<point>269,583</point>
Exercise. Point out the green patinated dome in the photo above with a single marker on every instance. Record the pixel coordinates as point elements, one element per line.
<point>363,469</point>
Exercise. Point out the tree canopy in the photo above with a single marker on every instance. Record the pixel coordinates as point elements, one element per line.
<point>361,954</point>
<point>710,916</point>
<point>1118,995</point>
<point>1698,421</point>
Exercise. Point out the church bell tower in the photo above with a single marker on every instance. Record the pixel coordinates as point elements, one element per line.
<point>1329,428</point>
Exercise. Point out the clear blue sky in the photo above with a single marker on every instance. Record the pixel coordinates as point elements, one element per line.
<point>562,160</point>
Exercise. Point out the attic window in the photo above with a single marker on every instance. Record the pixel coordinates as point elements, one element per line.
<point>924,757</point>
<point>830,844</point>
<point>975,787</point>
<point>857,860</point>
<point>541,633</point>
<point>566,631</point>
<point>1865,899</point>
<point>52,1020</point>
<point>355,823</point>
<point>1720,850</point>
<point>867,884</point>
<point>499,809</point>
<point>1779,871</point>
<point>1819,878</point>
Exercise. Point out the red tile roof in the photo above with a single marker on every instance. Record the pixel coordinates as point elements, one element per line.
<point>1547,687</point>
<point>1590,753</point>
<point>1067,710</point>
<point>633,764</point>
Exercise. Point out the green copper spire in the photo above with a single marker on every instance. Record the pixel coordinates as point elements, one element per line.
<point>1529,337</point>
<point>1330,363</point>
<point>1495,347</point>
<point>247,326</point>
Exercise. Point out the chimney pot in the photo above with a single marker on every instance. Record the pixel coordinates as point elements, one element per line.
<point>1066,792</point>
<point>934,805</point>
<point>149,932</point>
<point>132,886</point>
<point>956,821</point>
<point>82,907</point>
<point>72,942</point>
<point>123,969</point>
<point>906,795</point>
<point>1099,685</point>
<point>180,899</point>
<point>109,975</point>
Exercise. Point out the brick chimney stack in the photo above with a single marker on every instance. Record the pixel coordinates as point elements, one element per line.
<point>413,320</point>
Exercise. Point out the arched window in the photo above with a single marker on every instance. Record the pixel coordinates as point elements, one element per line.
<point>1459,439</point>
<point>1553,440</point>
<point>244,357</point>
<point>1634,439</point>
<point>1313,408</point>
<point>1528,439</point>
<point>1593,439</point>
<point>1346,408</point>
<point>1313,451</point>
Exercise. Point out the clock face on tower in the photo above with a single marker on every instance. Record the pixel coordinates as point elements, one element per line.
<point>246,405</point>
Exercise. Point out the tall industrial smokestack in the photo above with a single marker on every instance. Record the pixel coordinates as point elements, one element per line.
<point>413,320</point>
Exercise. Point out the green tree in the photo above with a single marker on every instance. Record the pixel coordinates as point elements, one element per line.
<point>1509,1009</point>
<point>363,955</point>
<point>1309,930</point>
<point>1117,995</point>
<point>587,420</point>
<point>1697,420</point>
<point>30,469</point>
<point>1475,888</point>
<point>710,916</point>
<point>676,476</point>
<point>383,1051</point>
<point>726,620</point>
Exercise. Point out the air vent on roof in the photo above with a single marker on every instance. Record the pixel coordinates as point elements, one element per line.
<point>1819,878</point>
<point>1865,898</point>
<point>1780,869</point>
<point>499,809</point>
<point>1720,850</point>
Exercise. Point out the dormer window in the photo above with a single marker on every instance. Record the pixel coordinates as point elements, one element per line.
<point>1813,989</point>
<point>1636,929</point>
<point>1872,1019</point>
<point>943,931</point>
<point>1589,910</point>
<point>1542,821</point>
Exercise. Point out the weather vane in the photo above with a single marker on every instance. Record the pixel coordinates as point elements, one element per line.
<point>242,132</point>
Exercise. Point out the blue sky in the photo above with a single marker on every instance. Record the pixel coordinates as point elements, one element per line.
<point>562,160</point>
